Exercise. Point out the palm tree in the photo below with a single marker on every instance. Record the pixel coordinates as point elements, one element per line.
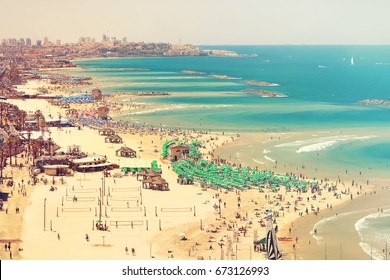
<point>1,159</point>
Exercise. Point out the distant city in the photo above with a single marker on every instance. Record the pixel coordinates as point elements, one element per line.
<point>107,47</point>
<point>21,58</point>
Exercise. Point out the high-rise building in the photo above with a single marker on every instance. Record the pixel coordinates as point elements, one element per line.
<point>58,42</point>
<point>105,38</point>
<point>22,42</point>
<point>28,41</point>
<point>45,41</point>
<point>39,43</point>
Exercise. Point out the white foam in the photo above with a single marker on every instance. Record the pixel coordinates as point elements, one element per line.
<point>178,107</point>
<point>316,147</point>
<point>363,224</point>
<point>259,162</point>
<point>322,143</point>
<point>318,224</point>
<point>270,159</point>
<point>369,250</point>
<point>266,151</point>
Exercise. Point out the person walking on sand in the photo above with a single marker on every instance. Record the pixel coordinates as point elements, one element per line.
<point>127,250</point>
<point>133,251</point>
<point>58,236</point>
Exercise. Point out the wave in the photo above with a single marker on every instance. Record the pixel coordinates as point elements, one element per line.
<point>367,230</point>
<point>270,159</point>
<point>259,162</point>
<point>322,143</point>
<point>371,251</point>
<point>320,223</point>
<point>382,63</point>
<point>363,222</point>
<point>316,147</point>
<point>178,107</point>
<point>266,151</point>
<point>322,66</point>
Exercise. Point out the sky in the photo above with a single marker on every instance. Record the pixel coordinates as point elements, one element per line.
<point>200,22</point>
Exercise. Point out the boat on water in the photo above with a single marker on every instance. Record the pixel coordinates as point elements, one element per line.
<point>352,61</point>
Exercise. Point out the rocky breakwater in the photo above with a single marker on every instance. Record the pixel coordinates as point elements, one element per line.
<point>379,102</point>
<point>265,93</point>
<point>260,83</point>
<point>192,72</point>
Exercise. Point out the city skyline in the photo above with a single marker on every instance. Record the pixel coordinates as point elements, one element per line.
<point>201,22</point>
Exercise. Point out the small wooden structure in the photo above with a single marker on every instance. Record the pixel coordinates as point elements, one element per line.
<point>156,183</point>
<point>56,170</point>
<point>97,94</point>
<point>126,152</point>
<point>178,152</point>
<point>91,164</point>
<point>103,112</point>
<point>147,175</point>
<point>106,132</point>
<point>113,139</point>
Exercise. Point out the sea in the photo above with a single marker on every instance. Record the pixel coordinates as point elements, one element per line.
<point>320,127</point>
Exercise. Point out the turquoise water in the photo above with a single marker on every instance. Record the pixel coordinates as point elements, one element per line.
<point>323,90</point>
<point>323,87</point>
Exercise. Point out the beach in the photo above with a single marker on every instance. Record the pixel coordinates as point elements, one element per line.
<point>157,234</point>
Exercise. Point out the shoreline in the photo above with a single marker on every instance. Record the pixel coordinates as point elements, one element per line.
<point>230,197</point>
<point>172,241</point>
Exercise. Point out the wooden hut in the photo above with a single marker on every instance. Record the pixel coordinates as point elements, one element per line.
<point>97,94</point>
<point>178,152</point>
<point>56,170</point>
<point>126,152</point>
<point>106,132</point>
<point>156,183</point>
<point>113,139</point>
<point>147,174</point>
<point>91,164</point>
<point>103,111</point>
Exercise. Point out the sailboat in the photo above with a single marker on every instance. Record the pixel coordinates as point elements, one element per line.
<point>352,62</point>
<point>273,248</point>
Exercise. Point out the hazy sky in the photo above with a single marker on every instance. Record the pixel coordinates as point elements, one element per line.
<point>201,21</point>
